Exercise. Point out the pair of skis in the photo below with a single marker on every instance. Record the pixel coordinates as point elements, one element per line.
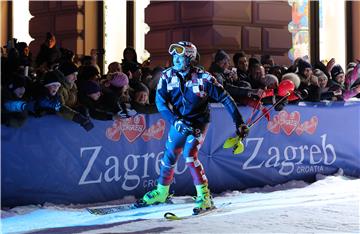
<point>168,215</point>
<point>124,207</point>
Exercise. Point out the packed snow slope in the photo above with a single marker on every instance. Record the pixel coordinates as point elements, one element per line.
<point>329,205</point>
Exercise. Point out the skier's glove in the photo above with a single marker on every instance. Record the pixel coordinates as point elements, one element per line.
<point>182,127</point>
<point>242,131</point>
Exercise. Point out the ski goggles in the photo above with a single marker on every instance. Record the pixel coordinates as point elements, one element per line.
<point>176,49</point>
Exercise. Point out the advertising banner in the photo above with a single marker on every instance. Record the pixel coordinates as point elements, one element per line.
<point>54,160</point>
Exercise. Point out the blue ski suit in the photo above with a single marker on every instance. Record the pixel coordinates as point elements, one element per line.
<point>183,102</point>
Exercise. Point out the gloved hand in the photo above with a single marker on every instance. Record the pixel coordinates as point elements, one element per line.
<point>46,103</point>
<point>281,105</point>
<point>84,121</point>
<point>15,106</point>
<point>125,111</point>
<point>182,127</point>
<point>242,131</point>
<point>302,94</point>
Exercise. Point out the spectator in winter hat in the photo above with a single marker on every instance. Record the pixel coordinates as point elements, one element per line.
<point>241,64</point>
<point>118,86</point>
<point>305,70</point>
<point>47,95</point>
<point>68,68</point>
<point>51,101</point>
<point>325,94</point>
<point>87,73</point>
<point>337,83</point>
<point>222,56</point>
<point>52,82</point>
<point>140,102</point>
<point>68,91</point>
<point>141,94</point>
<point>256,74</point>
<point>219,68</point>
<point>267,61</point>
<point>68,94</point>
<point>337,74</point>
<point>119,79</point>
<point>14,106</point>
<point>92,89</point>
<point>97,105</point>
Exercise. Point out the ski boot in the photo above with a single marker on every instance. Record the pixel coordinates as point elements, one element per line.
<point>203,200</point>
<point>154,197</point>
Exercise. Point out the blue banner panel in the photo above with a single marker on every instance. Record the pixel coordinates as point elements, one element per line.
<point>54,160</point>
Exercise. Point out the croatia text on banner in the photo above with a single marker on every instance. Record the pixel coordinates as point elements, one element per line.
<point>54,160</point>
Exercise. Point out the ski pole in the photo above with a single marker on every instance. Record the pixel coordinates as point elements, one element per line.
<point>236,142</point>
<point>268,111</point>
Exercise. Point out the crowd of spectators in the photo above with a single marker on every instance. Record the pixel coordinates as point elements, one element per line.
<point>57,82</point>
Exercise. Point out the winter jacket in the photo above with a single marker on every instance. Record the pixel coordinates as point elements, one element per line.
<point>68,98</point>
<point>189,97</point>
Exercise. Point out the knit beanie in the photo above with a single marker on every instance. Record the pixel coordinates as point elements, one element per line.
<point>91,87</point>
<point>336,70</point>
<point>52,78</point>
<point>68,68</point>
<point>119,79</point>
<point>87,72</point>
<point>221,55</point>
<point>302,65</point>
<point>140,87</point>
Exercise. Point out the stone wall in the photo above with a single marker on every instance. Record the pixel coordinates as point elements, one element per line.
<point>63,18</point>
<point>255,27</point>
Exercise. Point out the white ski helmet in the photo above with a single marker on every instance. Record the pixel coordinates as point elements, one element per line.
<point>185,48</point>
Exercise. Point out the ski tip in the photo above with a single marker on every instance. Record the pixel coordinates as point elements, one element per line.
<point>92,211</point>
<point>239,148</point>
<point>171,216</point>
<point>230,142</point>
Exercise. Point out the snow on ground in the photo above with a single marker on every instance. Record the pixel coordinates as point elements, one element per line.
<point>330,205</point>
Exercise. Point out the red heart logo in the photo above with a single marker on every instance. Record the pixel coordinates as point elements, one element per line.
<point>289,122</point>
<point>133,127</point>
<point>113,133</point>
<point>155,131</point>
<point>311,125</point>
<point>273,125</point>
<point>300,129</point>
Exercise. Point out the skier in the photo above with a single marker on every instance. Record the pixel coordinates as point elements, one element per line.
<point>182,97</point>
